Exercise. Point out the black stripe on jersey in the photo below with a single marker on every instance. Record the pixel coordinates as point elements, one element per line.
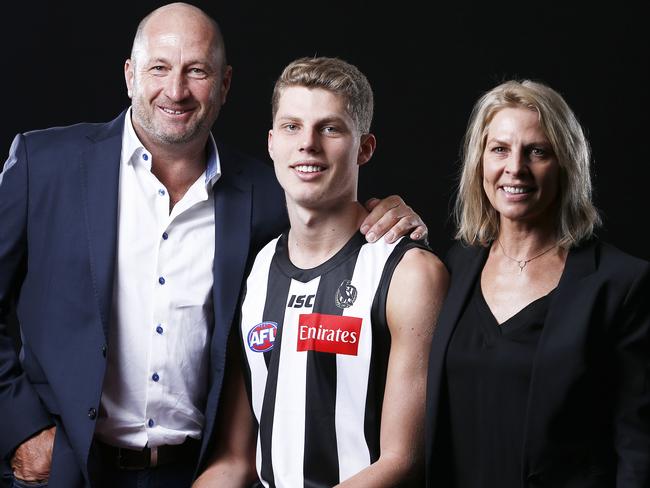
<point>381,348</point>
<point>321,462</point>
<point>274,309</point>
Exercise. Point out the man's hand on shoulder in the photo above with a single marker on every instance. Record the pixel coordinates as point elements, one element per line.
<point>33,458</point>
<point>392,218</point>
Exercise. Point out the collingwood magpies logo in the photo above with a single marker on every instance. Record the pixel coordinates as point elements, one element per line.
<point>346,294</point>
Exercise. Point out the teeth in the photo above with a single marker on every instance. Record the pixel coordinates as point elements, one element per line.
<point>305,168</point>
<point>174,112</point>
<point>515,189</point>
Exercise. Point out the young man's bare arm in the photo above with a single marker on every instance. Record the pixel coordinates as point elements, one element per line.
<point>415,295</point>
<point>233,462</point>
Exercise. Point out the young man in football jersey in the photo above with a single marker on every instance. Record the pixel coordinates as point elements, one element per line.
<point>327,374</point>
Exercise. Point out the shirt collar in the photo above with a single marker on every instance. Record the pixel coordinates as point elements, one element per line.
<point>133,151</point>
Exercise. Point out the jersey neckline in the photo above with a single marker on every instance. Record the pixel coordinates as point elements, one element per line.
<point>304,275</point>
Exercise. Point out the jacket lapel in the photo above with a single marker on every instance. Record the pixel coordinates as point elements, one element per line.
<point>558,352</point>
<point>232,221</point>
<point>465,270</point>
<point>232,216</point>
<point>100,167</point>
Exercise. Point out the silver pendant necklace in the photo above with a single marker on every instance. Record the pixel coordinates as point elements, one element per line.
<point>523,262</point>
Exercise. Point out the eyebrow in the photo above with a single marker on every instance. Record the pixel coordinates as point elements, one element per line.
<point>506,142</point>
<point>325,120</point>
<point>158,60</point>
<point>189,63</point>
<point>332,118</point>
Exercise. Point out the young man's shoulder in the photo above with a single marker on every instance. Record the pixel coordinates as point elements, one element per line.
<point>416,257</point>
<point>420,266</point>
<point>418,286</point>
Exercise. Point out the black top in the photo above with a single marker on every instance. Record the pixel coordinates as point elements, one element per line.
<point>589,395</point>
<point>488,373</point>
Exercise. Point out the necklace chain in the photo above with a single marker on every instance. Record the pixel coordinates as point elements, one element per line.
<point>523,262</point>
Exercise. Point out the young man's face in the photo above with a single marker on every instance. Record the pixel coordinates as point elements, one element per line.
<point>316,148</point>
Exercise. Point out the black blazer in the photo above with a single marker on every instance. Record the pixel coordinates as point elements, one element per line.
<point>588,418</point>
<point>58,214</point>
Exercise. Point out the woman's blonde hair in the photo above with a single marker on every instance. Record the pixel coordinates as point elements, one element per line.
<point>477,221</point>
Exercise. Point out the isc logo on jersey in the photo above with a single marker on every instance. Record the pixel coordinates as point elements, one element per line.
<point>261,337</point>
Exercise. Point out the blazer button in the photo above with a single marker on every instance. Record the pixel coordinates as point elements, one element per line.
<point>104,350</point>
<point>92,413</point>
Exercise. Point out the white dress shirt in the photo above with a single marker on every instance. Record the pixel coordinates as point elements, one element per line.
<point>162,318</point>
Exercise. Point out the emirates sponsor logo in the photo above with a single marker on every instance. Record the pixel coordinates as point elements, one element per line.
<point>329,333</point>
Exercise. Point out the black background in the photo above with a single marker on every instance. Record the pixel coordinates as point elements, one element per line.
<point>63,63</point>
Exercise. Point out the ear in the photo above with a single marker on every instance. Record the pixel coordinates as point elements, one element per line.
<point>225,83</point>
<point>128,76</point>
<point>269,143</point>
<point>366,148</point>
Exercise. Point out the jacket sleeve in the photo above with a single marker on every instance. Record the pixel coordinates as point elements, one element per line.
<point>23,414</point>
<point>632,413</point>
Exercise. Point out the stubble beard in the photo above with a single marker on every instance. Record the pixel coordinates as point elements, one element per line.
<point>143,113</point>
<point>145,120</point>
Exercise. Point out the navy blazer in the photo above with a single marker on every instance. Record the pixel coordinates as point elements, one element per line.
<point>58,214</point>
<point>588,414</point>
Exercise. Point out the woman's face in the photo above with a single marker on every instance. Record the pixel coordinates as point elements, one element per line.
<point>520,169</point>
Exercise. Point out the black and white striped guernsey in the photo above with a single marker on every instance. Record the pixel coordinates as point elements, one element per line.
<point>316,348</point>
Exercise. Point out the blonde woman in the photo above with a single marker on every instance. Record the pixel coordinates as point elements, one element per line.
<point>539,371</point>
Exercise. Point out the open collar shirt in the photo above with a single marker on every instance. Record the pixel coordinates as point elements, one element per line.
<point>162,314</point>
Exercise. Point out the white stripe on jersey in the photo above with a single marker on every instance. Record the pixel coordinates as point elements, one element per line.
<point>288,439</point>
<point>256,287</point>
<point>351,379</point>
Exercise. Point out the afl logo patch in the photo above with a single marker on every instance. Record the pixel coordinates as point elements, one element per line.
<point>346,294</point>
<point>261,337</point>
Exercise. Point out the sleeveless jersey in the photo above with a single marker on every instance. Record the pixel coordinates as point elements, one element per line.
<point>316,347</point>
